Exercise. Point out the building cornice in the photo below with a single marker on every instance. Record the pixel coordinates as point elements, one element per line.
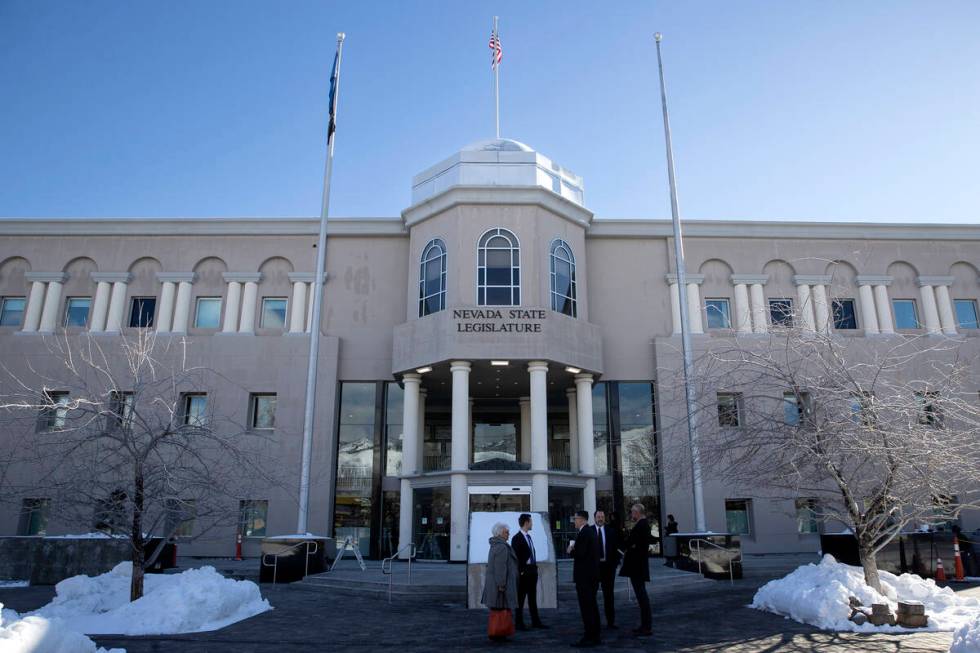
<point>749,279</point>
<point>936,281</point>
<point>46,277</point>
<point>176,277</point>
<point>606,228</point>
<point>58,227</point>
<point>242,277</point>
<point>304,277</point>
<point>874,279</point>
<point>497,195</point>
<point>698,279</point>
<point>812,279</point>
<point>112,277</point>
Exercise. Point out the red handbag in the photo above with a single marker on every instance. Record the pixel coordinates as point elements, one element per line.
<point>501,623</point>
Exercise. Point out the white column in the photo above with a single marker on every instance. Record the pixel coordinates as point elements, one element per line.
<point>694,309</point>
<point>586,437</point>
<point>868,315</point>
<point>164,316</point>
<point>885,322</point>
<point>249,298</point>
<point>759,322</point>
<point>946,315</point>
<point>35,302</point>
<point>525,404</point>
<point>309,308</point>
<point>420,454</point>
<point>297,313</point>
<point>117,306</point>
<point>743,319</point>
<point>410,446</point>
<point>806,307</point>
<point>538,371</point>
<point>100,306</point>
<point>929,309</point>
<point>675,308</point>
<point>821,308</point>
<point>572,430</point>
<point>460,461</point>
<point>182,310</point>
<point>52,307</point>
<point>232,304</point>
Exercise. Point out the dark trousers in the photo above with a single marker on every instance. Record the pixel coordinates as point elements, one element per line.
<point>640,590</point>
<point>589,608</point>
<point>527,587</point>
<point>607,581</point>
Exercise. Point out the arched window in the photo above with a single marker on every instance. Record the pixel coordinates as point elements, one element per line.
<point>499,269</point>
<point>432,278</point>
<point>563,278</point>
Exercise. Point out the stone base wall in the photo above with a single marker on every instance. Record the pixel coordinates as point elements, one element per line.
<point>47,561</point>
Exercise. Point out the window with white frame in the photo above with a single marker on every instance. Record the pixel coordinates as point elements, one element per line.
<point>498,269</point>
<point>207,314</point>
<point>966,313</point>
<point>906,315</point>
<point>563,284</point>
<point>12,311</point>
<point>432,278</point>
<point>719,313</point>
<point>76,311</point>
<point>273,313</point>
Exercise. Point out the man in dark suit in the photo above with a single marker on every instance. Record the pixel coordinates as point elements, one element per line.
<point>636,566</point>
<point>585,573</point>
<point>527,573</point>
<point>607,539</point>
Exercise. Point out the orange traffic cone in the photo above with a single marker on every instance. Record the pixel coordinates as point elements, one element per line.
<point>940,572</point>
<point>957,562</point>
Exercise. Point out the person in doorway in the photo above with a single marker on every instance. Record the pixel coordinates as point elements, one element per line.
<point>500,584</point>
<point>636,566</point>
<point>607,540</point>
<point>585,573</point>
<point>527,573</point>
<point>670,529</point>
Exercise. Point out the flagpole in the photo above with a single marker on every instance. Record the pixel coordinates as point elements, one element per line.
<point>496,80</point>
<point>696,480</point>
<point>321,260</point>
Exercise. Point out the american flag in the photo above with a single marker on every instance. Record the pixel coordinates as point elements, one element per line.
<point>497,53</point>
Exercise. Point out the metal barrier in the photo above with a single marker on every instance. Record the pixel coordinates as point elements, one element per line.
<point>275,562</point>
<point>386,565</point>
<point>731,571</point>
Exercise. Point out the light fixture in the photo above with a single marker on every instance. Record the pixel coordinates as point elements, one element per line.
<point>573,370</point>
<point>423,370</point>
<point>499,363</point>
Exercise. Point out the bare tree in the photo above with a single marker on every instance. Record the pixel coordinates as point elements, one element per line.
<point>123,435</point>
<point>880,435</point>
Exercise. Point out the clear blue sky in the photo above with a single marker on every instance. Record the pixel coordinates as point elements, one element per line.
<point>827,110</point>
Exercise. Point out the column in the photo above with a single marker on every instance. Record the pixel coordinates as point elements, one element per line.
<point>232,304</point>
<point>117,306</point>
<point>868,315</point>
<point>947,318</point>
<point>420,454</point>
<point>694,304</point>
<point>52,305</point>
<point>929,309</point>
<point>182,311</point>
<point>757,299</point>
<point>805,311</point>
<point>297,313</point>
<point>675,305</point>
<point>35,302</point>
<point>538,371</point>
<point>100,306</point>
<point>885,322</point>
<point>250,296</point>
<point>167,293</point>
<point>821,308</point>
<point>410,447</point>
<point>525,404</point>
<point>309,308</point>
<point>460,461</point>
<point>743,318</point>
<point>586,438</point>
<point>572,430</point>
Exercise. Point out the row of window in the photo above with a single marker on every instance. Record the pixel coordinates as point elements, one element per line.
<point>718,312</point>
<point>796,406</point>
<point>498,274</point>
<point>142,313</point>
<point>738,516</point>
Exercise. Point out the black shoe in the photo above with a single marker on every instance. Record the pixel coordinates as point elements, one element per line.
<point>538,625</point>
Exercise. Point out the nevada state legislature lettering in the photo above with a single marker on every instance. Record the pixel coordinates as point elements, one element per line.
<point>495,320</point>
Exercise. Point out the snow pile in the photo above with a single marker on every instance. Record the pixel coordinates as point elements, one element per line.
<point>967,638</point>
<point>818,595</point>
<point>195,600</point>
<point>40,635</point>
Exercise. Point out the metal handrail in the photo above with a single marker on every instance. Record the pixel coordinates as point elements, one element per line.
<point>276,555</point>
<point>386,565</point>
<point>731,570</point>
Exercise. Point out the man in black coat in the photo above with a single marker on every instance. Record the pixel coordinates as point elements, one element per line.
<point>607,540</point>
<point>636,566</point>
<point>585,573</point>
<point>527,573</point>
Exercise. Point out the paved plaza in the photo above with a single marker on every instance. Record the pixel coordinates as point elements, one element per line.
<point>687,616</point>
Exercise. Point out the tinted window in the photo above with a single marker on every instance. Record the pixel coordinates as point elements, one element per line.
<point>781,312</point>
<point>76,311</point>
<point>844,317</point>
<point>143,311</point>
<point>906,316</point>
<point>12,311</point>
<point>208,315</point>
<point>966,313</point>
<point>718,314</point>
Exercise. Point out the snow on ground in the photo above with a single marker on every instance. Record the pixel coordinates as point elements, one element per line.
<point>967,638</point>
<point>40,635</point>
<point>817,594</point>
<point>192,601</point>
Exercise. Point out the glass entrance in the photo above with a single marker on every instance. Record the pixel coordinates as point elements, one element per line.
<point>431,523</point>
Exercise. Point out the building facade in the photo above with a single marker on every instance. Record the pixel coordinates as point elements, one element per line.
<point>494,348</point>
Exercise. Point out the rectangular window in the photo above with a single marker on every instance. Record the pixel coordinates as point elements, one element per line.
<point>12,311</point>
<point>142,312</point>
<point>121,407</point>
<point>34,517</point>
<point>719,316</point>
<point>906,317</point>
<point>252,516</point>
<point>76,311</point>
<point>55,412</point>
<point>737,516</point>
<point>394,410</point>
<point>180,517</point>
<point>844,316</point>
<point>966,313</point>
<point>600,428</point>
<point>862,409</point>
<point>273,313</point>
<point>196,410</point>
<point>927,406</point>
<point>262,411</point>
<point>208,313</point>
<point>781,312</point>
<point>807,516</point>
<point>357,443</point>
<point>728,408</point>
<point>795,408</point>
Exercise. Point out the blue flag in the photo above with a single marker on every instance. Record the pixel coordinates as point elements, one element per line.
<point>332,125</point>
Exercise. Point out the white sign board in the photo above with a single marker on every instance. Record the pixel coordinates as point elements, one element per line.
<point>481,530</point>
